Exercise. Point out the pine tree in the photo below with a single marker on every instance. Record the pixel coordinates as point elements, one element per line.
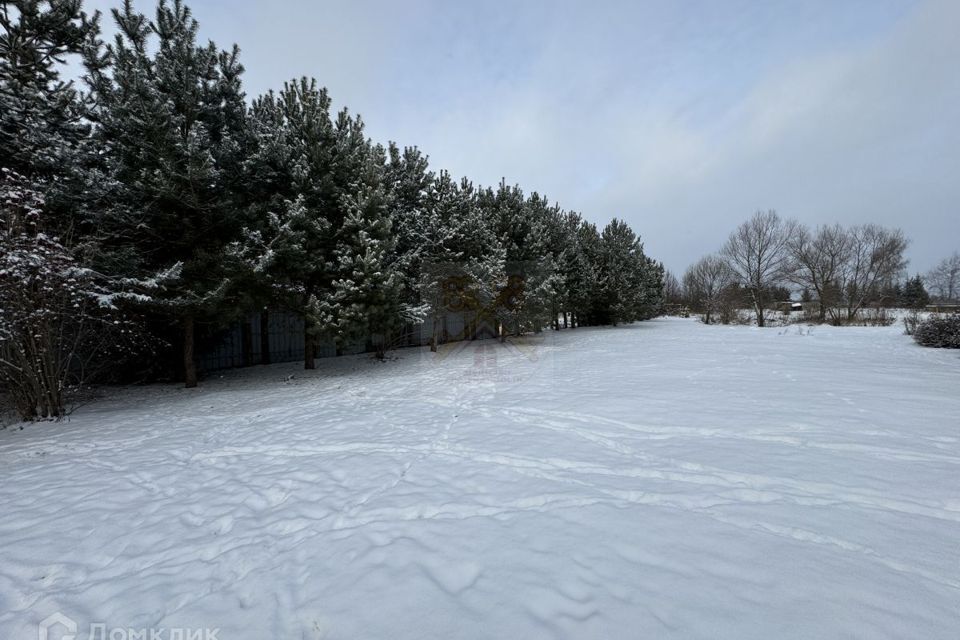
<point>417,226</point>
<point>320,233</point>
<point>366,299</point>
<point>484,257</point>
<point>44,131</point>
<point>291,198</point>
<point>573,266</point>
<point>650,298</point>
<point>521,224</point>
<point>585,290</point>
<point>169,119</point>
<point>630,283</point>
<point>466,265</point>
<point>41,115</point>
<point>914,294</point>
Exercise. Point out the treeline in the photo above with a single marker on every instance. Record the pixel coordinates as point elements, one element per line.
<point>837,270</point>
<point>154,201</point>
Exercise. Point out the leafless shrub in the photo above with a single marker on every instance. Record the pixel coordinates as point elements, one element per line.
<point>874,317</point>
<point>58,327</point>
<point>706,284</point>
<point>910,323</point>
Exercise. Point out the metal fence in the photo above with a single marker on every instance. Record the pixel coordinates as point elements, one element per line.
<point>241,344</point>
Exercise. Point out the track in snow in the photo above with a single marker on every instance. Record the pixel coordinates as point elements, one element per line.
<point>664,479</point>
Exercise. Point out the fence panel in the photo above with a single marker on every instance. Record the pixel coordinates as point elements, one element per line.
<point>240,344</point>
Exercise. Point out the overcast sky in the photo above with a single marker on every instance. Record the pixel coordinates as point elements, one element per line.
<point>681,117</point>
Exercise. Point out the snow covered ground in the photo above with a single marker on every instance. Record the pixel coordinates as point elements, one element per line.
<point>661,480</point>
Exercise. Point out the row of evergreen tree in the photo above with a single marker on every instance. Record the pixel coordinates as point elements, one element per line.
<point>180,204</point>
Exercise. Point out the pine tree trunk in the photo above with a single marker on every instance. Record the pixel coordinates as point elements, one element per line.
<point>264,337</point>
<point>246,342</point>
<point>189,364</point>
<point>309,349</point>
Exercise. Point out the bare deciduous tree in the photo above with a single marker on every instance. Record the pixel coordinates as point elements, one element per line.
<point>944,279</point>
<point>758,253</point>
<point>819,260</point>
<point>706,283</point>
<point>672,290</point>
<point>876,256</point>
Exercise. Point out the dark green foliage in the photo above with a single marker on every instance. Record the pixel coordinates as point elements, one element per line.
<point>41,116</point>
<point>942,331</point>
<point>169,115</point>
<point>630,284</point>
<point>320,239</point>
<point>162,178</point>
<point>914,295</point>
<point>44,131</point>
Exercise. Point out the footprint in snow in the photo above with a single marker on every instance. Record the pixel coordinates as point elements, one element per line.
<point>454,578</point>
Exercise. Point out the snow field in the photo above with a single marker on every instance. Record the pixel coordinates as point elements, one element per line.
<point>664,480</point>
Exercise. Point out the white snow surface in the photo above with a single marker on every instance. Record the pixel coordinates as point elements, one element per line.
<point>659,480</point>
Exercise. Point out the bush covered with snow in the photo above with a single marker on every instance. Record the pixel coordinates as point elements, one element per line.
<point>939,331</point>
<point>59,326</point>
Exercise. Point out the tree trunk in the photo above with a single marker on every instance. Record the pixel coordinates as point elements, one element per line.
<point>246,342</point>
<point>435,334</point>
<point>189,365</point>
<point>565,325</point>
<point>264,337</point>
<point>758,305</point>
<point>309,349</point>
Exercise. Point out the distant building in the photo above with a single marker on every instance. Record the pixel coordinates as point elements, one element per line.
<point>789,306</point>
<point>944,307</point>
